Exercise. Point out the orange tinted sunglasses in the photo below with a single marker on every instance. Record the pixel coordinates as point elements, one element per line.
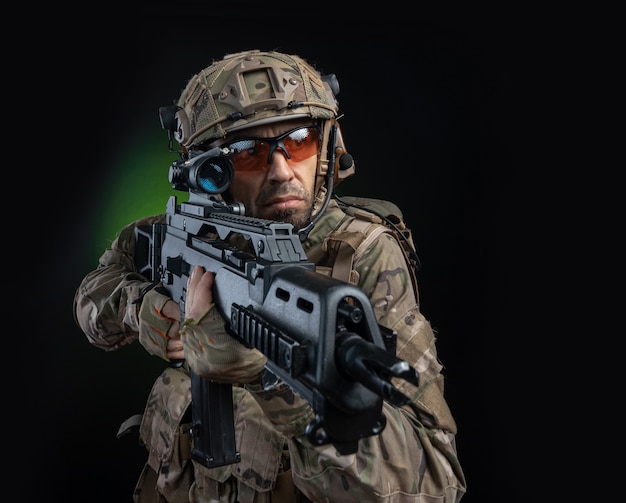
<point>255,154</point>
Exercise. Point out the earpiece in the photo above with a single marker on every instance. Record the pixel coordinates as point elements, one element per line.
<point>344,162</point>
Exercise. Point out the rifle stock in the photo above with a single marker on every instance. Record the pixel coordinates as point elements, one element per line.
<point>319,334</point>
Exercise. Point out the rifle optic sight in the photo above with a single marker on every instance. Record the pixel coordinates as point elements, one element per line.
<point>210,172</point>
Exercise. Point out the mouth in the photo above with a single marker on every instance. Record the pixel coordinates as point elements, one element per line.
<point>283,203</point>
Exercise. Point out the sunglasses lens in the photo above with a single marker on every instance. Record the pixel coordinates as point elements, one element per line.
<point>249,155</point>
<point>302,143</point>
<point>253,154</point>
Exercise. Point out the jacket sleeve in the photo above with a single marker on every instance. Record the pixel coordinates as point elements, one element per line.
<point>107,301</point>
<point>385,279</point>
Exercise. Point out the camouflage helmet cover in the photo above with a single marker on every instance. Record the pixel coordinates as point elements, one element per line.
<point>247,89</point>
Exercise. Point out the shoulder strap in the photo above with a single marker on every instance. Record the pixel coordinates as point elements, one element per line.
<point>351,235</point>
<point>334,254</point>
<point>373,233</point>
<point>390,216</point>
<point>358,230</point>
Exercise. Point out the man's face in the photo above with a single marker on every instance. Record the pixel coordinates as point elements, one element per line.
<point>281,189</point>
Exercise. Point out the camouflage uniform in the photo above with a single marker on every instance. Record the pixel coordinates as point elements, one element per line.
<point>414,459</point>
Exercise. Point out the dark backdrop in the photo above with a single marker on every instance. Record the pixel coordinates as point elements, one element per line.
<point>429,113</point>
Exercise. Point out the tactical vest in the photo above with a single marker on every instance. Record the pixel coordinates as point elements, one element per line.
<point>363,224</point>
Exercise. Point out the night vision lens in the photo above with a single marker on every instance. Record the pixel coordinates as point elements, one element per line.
<point>213,177</point>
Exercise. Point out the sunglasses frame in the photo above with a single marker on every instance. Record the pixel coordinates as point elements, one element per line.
<point>274,143</point>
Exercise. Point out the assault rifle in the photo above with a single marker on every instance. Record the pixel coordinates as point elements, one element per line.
<point>319,334</point>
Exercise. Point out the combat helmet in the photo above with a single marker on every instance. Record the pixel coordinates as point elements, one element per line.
<point>253,88</point>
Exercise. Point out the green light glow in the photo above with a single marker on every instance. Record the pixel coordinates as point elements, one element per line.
<point>136,187</point>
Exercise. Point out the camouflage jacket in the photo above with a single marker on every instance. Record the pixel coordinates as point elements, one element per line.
<point>413,459</point>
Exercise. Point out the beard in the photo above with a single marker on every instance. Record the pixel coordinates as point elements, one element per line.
<point>298,218</point>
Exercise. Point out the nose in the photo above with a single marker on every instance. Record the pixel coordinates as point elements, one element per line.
<point>279,169</point>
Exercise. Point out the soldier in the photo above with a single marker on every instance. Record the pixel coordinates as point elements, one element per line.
<point>279,118</point>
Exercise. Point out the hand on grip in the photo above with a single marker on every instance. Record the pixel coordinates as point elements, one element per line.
<point>210,351</point>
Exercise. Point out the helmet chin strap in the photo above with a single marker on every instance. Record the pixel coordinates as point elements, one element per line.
<point>303,233</point>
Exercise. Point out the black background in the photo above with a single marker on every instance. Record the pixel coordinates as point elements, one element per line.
<point>429,117</point>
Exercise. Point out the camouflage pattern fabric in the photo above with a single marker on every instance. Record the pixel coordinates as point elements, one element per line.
<point>248,87</point>
<point>165,431</point>
<point>210,352</point>
<point>103,303</point>
<point>428,474</point>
